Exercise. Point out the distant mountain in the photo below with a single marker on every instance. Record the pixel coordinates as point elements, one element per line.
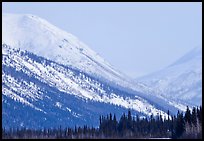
<point>182,80</point>
<point>50,78</point>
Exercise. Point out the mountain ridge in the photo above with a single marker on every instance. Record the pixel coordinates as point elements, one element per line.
<point>182,79</point>
<point>53,74</point>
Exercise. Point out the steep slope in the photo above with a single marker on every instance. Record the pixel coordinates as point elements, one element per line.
<point>36,35</point>
<point>52,79</point>
<point>44,91</point>
<point>182,80</point>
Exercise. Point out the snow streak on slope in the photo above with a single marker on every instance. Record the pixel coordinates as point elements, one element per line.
<point>180,81</point>
<point>28,79</point>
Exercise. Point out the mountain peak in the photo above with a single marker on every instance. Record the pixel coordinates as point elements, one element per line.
<point>195,53</point>
<point>17,29</point>
<point>34,34</point>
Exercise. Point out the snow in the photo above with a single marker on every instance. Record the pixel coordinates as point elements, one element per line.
<point>182,80</point>
<point>58,104</point>
<point>15,97</point>
<point>68,109</point>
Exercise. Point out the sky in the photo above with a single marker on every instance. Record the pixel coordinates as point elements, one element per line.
<point>136,38</point>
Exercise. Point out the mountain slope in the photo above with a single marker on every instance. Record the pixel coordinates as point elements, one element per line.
<point>45,92</point>
<point>50,78</point>
<point>36,35</point>
<point>182,80</point>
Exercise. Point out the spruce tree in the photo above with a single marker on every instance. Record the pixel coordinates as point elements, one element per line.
<point>180,125</point>
<point>187,116</point>
<point>194,117</point>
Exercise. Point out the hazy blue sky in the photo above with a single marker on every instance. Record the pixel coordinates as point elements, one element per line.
<point>136,38</point>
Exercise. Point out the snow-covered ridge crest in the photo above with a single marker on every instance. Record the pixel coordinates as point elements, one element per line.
<point>36,35</point>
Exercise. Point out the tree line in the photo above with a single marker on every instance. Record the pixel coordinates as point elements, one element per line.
<point>186,124</point>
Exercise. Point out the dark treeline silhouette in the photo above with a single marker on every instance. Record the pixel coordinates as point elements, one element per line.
<point>183,125</point>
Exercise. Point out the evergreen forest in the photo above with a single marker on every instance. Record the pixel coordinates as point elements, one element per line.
<point>184,125</point>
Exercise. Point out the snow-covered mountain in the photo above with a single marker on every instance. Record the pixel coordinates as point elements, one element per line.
<point>50,78</point>
<point>182,80</point>
<point>36,35</point>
